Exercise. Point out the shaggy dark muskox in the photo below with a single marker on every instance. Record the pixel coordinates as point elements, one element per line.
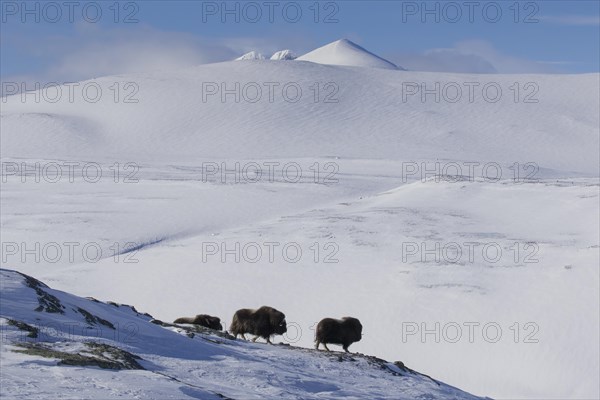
<point>204,320</point>
<point>264,322</point>
<point>343,331</point>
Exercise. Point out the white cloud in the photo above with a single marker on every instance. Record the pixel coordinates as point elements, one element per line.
<point>92,51</point>
<point>445,60</point>
<point>577,20</point>
<point>471,56</point>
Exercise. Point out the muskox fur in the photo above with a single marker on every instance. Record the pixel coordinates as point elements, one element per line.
<point>343,331</point>
<point>204,320</point>
<point>264,322</point>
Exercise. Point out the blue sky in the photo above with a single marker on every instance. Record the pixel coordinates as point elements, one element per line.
<point>40,41</point>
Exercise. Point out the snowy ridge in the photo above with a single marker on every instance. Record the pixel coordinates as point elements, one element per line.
<point>341,52</point>
<point>53,340</point>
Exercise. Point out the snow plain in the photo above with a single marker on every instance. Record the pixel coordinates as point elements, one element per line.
<point>524,325</point>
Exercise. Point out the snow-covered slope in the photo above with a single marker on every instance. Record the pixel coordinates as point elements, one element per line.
<point>59,345</point>
<point>345,52</point>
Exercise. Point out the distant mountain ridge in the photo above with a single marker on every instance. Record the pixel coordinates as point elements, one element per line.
<point>341,52</point>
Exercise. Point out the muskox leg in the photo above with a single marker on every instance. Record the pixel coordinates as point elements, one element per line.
<point>346,349</point>
<point>269,340</point>
<point>317,345</point>
<point>326,348</point>
<point>255,337</point>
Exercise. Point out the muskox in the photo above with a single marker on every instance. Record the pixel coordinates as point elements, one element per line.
<point>264,322</point>
<point>204,320</point>
<point>343,331</point>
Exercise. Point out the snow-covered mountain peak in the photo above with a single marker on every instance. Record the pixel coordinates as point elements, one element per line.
<point>283,55</point>
<point>347,53</point>
<point>252,55</point>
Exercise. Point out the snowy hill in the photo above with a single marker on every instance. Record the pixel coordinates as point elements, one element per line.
<point>56,343</point>
<point>345,52</point>
<point>346,112</point>
<point>366,141</point>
